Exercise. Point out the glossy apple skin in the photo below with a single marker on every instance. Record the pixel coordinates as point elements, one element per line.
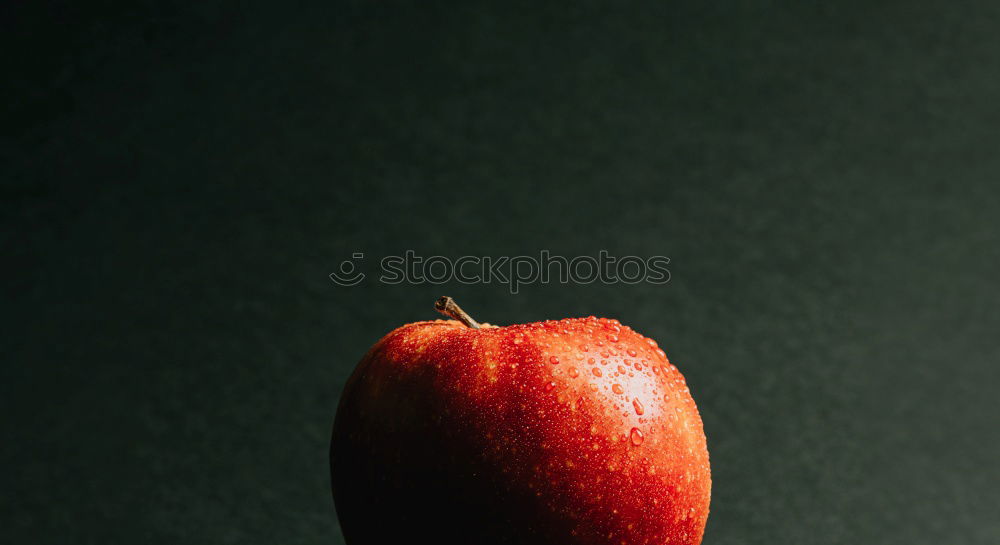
<point>566,432</point>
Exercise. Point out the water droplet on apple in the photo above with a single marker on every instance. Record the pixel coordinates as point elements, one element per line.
<point>585,348</point>
<point>550,386</point>
<point>617,388</point>
<point>573,372</point>
<point>613,338</point>
<point>636,436</point>
<point>621,370</point>
<point>631,352</point>
<point>638,406</point>
<point>553,360</point>
<point>597,371</point>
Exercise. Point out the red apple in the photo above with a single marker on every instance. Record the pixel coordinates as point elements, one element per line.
<point>568,432</point>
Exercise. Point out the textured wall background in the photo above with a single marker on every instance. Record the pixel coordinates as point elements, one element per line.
<point>178,182</point>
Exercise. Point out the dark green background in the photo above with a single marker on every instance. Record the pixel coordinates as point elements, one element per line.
<point>178,182</point>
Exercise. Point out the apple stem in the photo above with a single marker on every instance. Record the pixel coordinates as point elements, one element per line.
<point>447,306</point>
